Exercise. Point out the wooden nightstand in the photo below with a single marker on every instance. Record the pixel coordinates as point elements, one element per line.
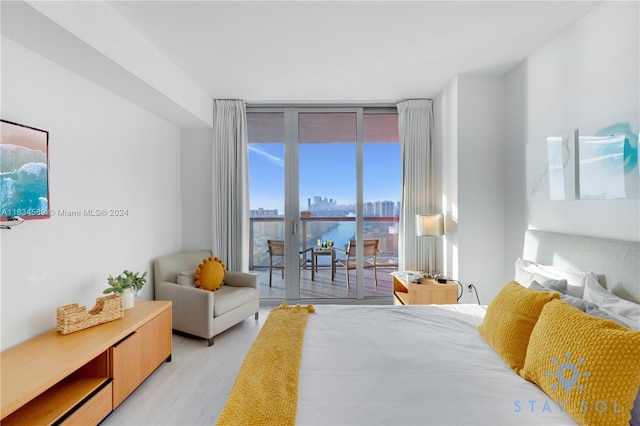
<point>428,293</point>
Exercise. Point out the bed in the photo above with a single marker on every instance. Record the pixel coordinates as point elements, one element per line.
<point>415,365</point>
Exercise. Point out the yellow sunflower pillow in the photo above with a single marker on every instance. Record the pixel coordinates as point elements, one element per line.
<point>588,365</point>
<point>210,274</point>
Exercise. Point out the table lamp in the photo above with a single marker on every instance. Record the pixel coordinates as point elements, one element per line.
<point>430,225</point>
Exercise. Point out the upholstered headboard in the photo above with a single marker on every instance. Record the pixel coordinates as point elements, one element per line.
<point>616,262</point>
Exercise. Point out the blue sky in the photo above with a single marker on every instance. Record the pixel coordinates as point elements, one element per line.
<point>326,170</point>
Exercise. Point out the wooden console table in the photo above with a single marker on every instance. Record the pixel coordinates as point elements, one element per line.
<point>81,377</point>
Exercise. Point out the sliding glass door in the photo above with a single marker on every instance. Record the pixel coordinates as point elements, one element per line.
<point>328,183</point>
<point>381,193</point>
<point>266,134</point>
<point>324,181</point>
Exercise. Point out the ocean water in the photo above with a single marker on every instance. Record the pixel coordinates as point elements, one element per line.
<point>341,234</point>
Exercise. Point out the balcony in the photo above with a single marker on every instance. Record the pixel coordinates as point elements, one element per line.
<point>340,230</point>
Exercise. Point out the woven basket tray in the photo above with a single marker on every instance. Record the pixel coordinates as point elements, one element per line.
<point>71,318</point>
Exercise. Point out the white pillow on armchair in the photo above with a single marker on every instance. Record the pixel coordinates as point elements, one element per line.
<point>186,278</point>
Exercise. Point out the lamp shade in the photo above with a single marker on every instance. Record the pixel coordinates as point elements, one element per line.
<point>430,224</point>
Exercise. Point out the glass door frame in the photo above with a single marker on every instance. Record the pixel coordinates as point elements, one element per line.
<point>292,197</point>
<point>292,220</point>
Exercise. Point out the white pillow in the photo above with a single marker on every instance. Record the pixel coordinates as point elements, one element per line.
<point>581,304</point>
<point>551,283</point>
<point>576,280</point>
<point>573,301</point>
<point>186,278</point>
<point>628,311</point>
<point>524,277</point>
<point>547,284</point>
<point>596,311</point>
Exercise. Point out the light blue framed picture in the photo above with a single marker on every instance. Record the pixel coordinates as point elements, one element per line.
<point>608,160</point>
<point>551,168</point>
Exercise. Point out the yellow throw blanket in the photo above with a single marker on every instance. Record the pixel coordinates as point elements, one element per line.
<point>266,389</point>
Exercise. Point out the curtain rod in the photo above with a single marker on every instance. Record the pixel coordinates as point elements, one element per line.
<point>319,105</point>
<point>349,104</point>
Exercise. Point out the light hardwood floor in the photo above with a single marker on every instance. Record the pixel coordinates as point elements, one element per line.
<point>193,388</point>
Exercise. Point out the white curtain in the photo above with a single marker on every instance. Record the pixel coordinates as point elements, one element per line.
<point>230,174</point>
<point>415,123</point>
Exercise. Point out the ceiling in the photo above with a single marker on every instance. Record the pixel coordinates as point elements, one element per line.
<point>339,51</point>
<point>173,57</point>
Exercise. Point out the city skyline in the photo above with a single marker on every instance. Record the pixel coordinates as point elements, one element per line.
<point>378,208</point>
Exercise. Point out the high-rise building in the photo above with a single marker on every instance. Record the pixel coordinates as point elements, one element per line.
<point>322,203</point>
<point>368,209</point>
<point>261,212</point>
<point>384,208</point>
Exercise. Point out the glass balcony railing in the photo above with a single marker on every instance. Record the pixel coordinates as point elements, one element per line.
<point>338,229</point>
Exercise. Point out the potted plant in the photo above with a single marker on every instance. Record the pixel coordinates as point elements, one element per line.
<point>126,284</point>
<point>137,280</point>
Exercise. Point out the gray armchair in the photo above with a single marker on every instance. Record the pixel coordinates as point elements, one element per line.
<point>204,313</point>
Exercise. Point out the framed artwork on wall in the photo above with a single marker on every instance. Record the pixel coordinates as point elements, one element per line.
<point>594,162</point>
<point>24,172</point>
<point>551,171</point>
<point>608,159</point>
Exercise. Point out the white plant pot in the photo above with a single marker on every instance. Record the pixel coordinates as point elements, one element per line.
<point>127,298</point>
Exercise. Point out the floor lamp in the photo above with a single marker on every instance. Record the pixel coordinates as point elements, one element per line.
<point>430,225</point>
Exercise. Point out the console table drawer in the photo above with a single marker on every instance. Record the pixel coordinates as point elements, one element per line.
<point>94,410</point>
<point>137,356</point>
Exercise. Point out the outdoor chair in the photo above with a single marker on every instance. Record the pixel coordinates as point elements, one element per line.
<point>370,252</point>
<point>276,257</point>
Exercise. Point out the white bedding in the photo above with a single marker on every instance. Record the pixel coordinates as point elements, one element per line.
<point>411,365</point>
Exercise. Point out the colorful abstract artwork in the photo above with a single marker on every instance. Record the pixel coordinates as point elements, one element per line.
<point>24,172</point>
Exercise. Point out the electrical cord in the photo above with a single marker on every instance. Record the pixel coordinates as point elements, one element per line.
<point>475,290</point>
<point>470,286</point>
<point>461,288</point>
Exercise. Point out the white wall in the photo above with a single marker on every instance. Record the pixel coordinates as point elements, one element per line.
<point>104,153</point>
<point>585,76</point>
<point>481,183</point>
<point>471,152</point>
<point>446,154</point>
<point>196,158</point>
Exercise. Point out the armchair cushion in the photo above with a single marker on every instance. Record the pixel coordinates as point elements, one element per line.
<point>228,298</point>
<point>210,274</point>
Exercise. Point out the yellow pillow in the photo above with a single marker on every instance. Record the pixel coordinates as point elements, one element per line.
<point>509,320</point>
<point>588,365</point>
<point>210,274</point>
